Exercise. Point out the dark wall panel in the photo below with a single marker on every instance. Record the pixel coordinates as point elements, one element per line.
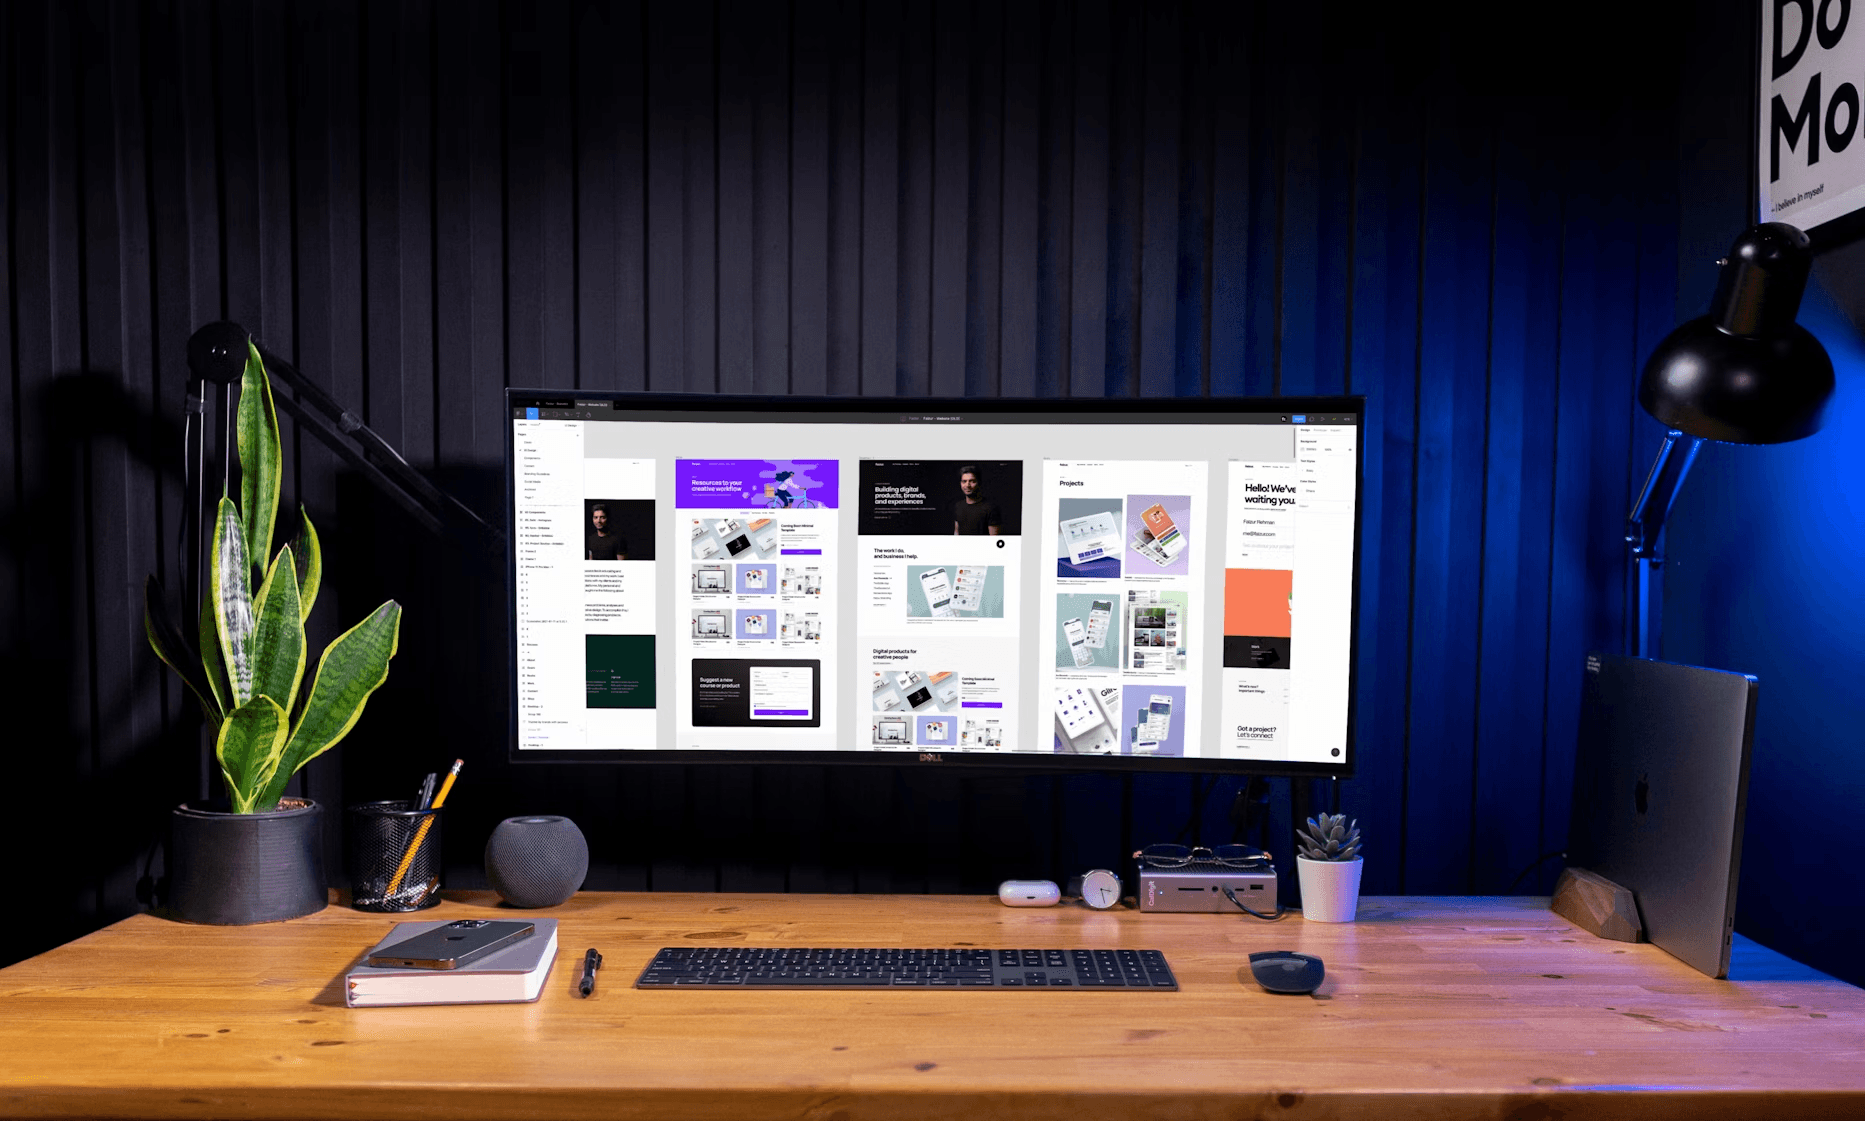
<point>422,203</point>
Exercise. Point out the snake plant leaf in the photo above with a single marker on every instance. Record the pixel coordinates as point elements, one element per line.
<point>278,641</point>
<point>211,663</point>
<point>233,605</point>
<point>166,640</point>
<point>310,559</point>
<point>261,459</point>
<point>349,671</point>
<point>251,741</point>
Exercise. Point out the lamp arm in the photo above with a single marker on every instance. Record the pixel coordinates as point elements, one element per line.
<point>1646,522</point>
<point>1644,533</point>
<point>372,455</point>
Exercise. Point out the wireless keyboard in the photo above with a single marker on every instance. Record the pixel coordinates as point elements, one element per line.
<point>749,967</point>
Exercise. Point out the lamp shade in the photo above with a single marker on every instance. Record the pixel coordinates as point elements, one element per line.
<point>1745,373</point>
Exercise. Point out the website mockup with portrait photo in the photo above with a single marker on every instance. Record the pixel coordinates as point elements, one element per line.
<point>694,576</point>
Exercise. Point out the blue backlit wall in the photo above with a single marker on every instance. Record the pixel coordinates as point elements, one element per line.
<point>1768,552</point>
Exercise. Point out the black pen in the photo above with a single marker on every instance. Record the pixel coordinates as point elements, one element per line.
<point>592,961</point>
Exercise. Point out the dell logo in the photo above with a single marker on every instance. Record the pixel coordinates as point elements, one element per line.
<point>931,757</point>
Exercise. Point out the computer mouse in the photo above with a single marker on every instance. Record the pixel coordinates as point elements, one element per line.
<point>1285,971</point>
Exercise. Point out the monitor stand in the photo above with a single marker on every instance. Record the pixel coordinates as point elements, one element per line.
<point>1597,905</point>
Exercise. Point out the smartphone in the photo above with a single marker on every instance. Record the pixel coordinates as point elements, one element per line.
<point>1166,535</point>
<point>1078,712</point>
<point>1099,614</point>
<point>970,588</point>
<point>452,945</point>
<point>1158,723</point>
<point>1077,641</point>
<point>938,591</point>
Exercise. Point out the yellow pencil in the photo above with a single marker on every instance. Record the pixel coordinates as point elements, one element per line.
<point>421,833</point>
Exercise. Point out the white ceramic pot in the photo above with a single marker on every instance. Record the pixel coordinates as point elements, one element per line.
<point>1330,888</point>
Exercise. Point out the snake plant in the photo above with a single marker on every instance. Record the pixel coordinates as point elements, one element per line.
<point>249,669</point>
<point>1332,837</point>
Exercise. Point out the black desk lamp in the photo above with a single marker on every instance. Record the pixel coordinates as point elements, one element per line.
<point>1746,373</point>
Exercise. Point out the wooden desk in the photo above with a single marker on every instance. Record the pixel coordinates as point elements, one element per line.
<point>1477,1007</point>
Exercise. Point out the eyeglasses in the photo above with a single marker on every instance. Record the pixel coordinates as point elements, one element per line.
<point>1180,856</point>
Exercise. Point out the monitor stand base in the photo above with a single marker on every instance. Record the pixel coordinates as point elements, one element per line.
<point>1597,905</point>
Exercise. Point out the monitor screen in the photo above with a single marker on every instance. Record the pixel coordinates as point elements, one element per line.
<point>1066,584</point>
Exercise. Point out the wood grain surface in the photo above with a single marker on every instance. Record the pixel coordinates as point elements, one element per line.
<point>1442,1007</point>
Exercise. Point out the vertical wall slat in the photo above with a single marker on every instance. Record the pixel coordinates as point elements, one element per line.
<point>1448,500</point>
<point>919,143</point>
<point>985,188</point>
<point>1018,277</point>
<point>880,200</point>
<point>609,190</point>
<point>739,187</point>
<point>1088,257</point>
<point>1161,165</point>
<point>1194,274</point>
<point>1303,237</point>
<point>126,720</point>
<point>846,202</point>
<point>1521,413</point>
<point>411,390</point>
<point>810,284</point>
<point>1055,299</point>
<point>540,219</point>
<point>1231,209</point>
<point>1124,232</point>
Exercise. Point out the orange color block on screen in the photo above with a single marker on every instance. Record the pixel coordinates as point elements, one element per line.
<point>1256,601</point>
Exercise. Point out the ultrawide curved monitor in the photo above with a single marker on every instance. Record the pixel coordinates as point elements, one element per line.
<point>1070,584</point>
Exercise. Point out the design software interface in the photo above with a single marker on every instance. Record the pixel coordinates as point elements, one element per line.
<point>691,578</point>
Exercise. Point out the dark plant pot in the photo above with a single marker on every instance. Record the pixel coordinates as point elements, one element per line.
<point>228,869</point>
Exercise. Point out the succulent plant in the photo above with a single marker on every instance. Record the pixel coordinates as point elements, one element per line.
<point>247,670</point>
<point>1329,837</point>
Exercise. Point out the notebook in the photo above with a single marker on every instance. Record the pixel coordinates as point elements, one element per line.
<point>514,974</point>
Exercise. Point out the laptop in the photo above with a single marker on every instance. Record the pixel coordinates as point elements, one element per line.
<point>1660,788</point>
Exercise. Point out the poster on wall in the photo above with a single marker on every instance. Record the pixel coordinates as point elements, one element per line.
<point>1811,156</point>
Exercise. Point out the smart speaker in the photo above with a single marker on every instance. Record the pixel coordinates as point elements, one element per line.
<point>536,861</point>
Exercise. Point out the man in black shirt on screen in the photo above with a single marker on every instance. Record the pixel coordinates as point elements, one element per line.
<point>974,515</point>
<point>602,543</point>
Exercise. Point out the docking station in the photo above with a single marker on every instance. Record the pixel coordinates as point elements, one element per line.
<point>1201,888</point>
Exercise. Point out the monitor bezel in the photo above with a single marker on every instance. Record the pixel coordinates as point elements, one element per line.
<point>921,410</point>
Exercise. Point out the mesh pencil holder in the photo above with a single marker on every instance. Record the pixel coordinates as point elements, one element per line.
<point>376,840</point>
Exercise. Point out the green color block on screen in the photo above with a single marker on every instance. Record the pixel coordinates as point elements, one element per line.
<point>618,671</point>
